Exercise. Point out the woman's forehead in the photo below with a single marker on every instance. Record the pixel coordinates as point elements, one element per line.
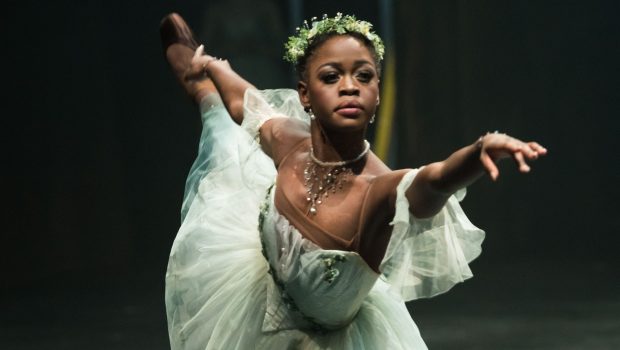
<point>342,48</point>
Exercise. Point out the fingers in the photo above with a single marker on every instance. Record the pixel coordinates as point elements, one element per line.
<point>526,151</point>
<point>537,148</point>
<point>496,146</point>
<point>521,164</point>
<point>200,58</point>
<point>199,52</point>
<point>522,151</point>
<point>529,150</point>
<point>196,70</point>
<point>489,165</point>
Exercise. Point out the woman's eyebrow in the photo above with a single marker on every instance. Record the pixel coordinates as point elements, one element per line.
<point>361,63</point>
<point>330,64</point>
<point>338,65</point>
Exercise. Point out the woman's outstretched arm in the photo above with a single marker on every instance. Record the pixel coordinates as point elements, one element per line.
<point>436,182</point>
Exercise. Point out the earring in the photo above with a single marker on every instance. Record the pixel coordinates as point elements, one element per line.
<point>372,119</point>
<point>310,114</point>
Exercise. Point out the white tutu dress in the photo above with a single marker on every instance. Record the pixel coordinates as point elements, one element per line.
<point>241,277</point>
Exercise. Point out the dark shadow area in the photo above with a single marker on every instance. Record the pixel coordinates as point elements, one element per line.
<point>530,305</point>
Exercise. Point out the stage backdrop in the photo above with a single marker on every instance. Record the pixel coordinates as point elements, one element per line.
<point>98,135</point>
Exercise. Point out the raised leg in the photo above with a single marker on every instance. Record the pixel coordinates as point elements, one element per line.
<point>198,73</point>
<point>179,43</point>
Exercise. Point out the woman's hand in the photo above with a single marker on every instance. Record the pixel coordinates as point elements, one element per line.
<point>200,62</point>
<point>496,146</point>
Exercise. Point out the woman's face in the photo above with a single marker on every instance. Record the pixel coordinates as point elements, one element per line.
<point>342,85</point>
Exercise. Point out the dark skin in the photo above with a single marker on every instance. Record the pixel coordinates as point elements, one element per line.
<point>341,87</point>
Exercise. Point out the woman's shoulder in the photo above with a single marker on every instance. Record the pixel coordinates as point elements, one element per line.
<point>285,130</point>
<point>386,180</point>
<point>382,192</point>
<point>278,136</point>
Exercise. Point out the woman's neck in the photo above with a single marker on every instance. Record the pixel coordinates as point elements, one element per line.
<point>336,146</point>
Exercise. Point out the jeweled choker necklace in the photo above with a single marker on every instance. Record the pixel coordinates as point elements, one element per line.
<point>321,177</point>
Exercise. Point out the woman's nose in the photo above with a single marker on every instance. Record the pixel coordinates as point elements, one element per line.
<point>348,86</point>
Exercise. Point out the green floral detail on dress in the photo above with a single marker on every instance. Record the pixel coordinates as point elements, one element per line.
<point>287,300</point>
<point>264,208</point>
<point>331,272</point>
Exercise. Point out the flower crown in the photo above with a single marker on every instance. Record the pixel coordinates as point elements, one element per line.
<point>297,45</point>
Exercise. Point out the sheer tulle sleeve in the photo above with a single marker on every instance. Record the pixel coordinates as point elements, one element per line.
<point>262,105</point>
<point>426,257</point>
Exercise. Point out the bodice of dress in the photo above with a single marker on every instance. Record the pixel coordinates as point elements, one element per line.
<point>313,287</point>
<point>308,227</point>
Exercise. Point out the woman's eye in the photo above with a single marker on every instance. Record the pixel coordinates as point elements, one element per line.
<point>329,78</point>
<point>364,76</point>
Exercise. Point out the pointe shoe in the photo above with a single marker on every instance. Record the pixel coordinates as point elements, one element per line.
<point>174,30</point>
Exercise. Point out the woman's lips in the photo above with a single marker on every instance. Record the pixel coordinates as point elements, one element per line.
<point>349,111</point>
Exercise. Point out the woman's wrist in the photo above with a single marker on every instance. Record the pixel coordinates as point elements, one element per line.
<point>208,65</point>
<point>480,142</point>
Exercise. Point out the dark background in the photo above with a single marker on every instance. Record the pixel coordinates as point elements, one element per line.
<point>99,137</point>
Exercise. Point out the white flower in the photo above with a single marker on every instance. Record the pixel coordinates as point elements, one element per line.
<point>312,32</point>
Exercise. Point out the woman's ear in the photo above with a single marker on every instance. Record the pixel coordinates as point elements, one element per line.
<point>302,90</point>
